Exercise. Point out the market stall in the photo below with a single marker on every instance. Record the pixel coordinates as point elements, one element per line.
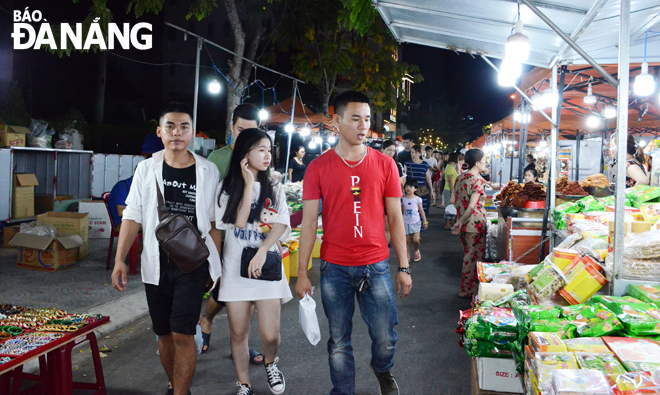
<point>49,335</point>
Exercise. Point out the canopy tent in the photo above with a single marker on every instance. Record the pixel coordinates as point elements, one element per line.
<point>281,113</point>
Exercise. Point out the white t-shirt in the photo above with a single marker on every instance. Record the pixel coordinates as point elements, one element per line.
<point>431,162</point>
<point>233,287</point>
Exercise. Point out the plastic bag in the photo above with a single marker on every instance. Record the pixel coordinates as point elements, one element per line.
<point>39,230</point>
<point>308,319</point>
<point>642,245</point>
<point>450,210</point>
<point>199,341</point>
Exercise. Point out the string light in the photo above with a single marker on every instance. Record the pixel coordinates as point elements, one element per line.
<point>312,145</point>
<point>263,114</point>
<point>289,128</point>
<point>332,139</point>
<point>214,87</point>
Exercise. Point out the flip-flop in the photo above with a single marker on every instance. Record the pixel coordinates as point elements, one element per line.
<point>253,355</point>
<point>206,338</point>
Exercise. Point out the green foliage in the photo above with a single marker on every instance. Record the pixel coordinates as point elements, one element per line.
<point>14,111</point>
<point>357,15</point>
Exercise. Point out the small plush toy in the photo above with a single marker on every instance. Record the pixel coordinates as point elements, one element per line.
<point>267,217</point>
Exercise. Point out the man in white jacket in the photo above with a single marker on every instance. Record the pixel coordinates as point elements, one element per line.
<point>187,183</point>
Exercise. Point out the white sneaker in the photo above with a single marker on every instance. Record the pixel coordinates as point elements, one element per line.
<point>244,389</point>
<point>275,377</point>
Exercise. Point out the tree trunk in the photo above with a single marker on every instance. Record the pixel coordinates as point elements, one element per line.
<point>328,88</point>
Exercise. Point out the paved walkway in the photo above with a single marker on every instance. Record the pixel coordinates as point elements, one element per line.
<point>428,359</point>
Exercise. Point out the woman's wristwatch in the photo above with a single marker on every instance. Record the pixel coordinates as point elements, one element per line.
<point>405,270</point>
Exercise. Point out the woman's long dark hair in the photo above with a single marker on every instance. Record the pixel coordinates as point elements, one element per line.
<point>233,185</point>
<point>632,148</point>
<point>389,143</point>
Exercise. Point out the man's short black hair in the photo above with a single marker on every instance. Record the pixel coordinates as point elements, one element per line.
<point>408,136</point>
<point>247,111</point>
<point>175,106</point>
<point>342,100</point>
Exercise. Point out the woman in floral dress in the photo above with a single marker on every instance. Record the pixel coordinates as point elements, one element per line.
<point>471,213</point>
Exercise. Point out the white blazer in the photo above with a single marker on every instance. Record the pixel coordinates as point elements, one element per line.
<point>142,207</point>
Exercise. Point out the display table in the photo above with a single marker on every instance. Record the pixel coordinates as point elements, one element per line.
<point>55,370</point>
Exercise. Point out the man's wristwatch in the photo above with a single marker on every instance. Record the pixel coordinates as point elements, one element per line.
<point>405,269</point>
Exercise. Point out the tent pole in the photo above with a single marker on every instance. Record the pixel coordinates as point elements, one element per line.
<point>523,146</point>
<point>602,146</point>
<point>576,172</point>
<point>618,286</point>
<point>290,135</point>
<point>572,43</point>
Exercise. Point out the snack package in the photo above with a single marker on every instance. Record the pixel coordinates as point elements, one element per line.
<point>646,293</point>
<point>640,319</point>
<point>486,270</point>
<point>595,321</point>
<point>491,291</point>
<point>526,314</point>
<point>647,366</point>
<point>518,298</point>
<point>590,203</point>
<point>517,277</point>
<point>582,284</point>
<point>593,345</point>
<point>563,328</point>
<point>594,245</point>
<point>548,281</point>
<point>569,241</point>
<point>545,363</point>
<point>577,381</point>
<point>546,342</point>
<point>562,257</point>
<point>629,349</point>
<point>500,325</point>
<point>633,383</point>
<point>605,362</point>
<point>488,349</point>
<point>651,212</point>
<point>642,193</point>
<point>612,303</point>
<point>642,245</point>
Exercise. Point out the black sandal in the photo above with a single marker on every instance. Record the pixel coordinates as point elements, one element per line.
<point>206,338</point>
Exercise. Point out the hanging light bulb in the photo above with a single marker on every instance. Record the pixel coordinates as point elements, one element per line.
<point>593,121</point>
<point>644,83</point>
<point>538,101</point>
<point>642,143</point>
<point>550,98</point>
<point>214,87</point>
<point>312,145</point>
<point>609,112</point>
<point>289,128</point>
<point>590,98</point>
<point>543,143</point>
<point>399,148</point>
<point>318,140</point>
<point>263,114</point>
<point>509,73</point>
<point>517,116</point>
<point>517,45</point>
<point>332,139</point>
<point>305,131</point>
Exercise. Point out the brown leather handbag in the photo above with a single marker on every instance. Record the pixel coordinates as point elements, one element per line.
<point>179,238</point>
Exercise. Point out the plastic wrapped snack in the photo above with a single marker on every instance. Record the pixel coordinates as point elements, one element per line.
<point>518,298</point>
<point>612,303</point>
<point>496,326</point>
<point>544,363</point>
<point>548,281</point>
<point>569,241</point>
<point>563,328</point>
<point>640,319</point>
<point>648,293</point>
<point>588,227</point>
<point>546,342</point>
<point>597,321</point>
<point>642,193</point>
<point>486,270</point>
<point>518,274</point>
<point>592,345</point>
<point>580,382</point>
<point>593,245</point>
<point>642,245</point>
<point>530,313</point>
<point>605,362</point>
<point>488,349</point>
<point>633,383</point>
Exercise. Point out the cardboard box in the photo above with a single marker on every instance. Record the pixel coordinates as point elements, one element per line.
<point>582,285</point>
<point>69,223</point>
<point>22,199</point>
<point>546,342</point>
<point>498,375</point>
<point>8,233</point>
<point>99,220</point>
<point>44,203</point>
<point>13,136</point>
<point>45,252</point>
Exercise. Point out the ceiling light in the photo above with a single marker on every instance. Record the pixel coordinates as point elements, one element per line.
<point>214,87</point>
<point>289,128</point>
<point>609,112</point>
<point>509,73</point>
<point>332,139</point>
<point>312,145</point>
<point>642,143</point>
<point>593,121</point>
<point>318,140</point>
<point>590,98</point>
<point>517,45</point>
<point>644,84</point>
<point>550,98</point>
<point>516,116</point>
<point>543,143</point>
<point>263,115</point>
<point>305,131</point>
<point>539,101</point>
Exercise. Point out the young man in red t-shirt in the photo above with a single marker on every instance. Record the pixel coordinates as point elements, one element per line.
<point>358,185</point>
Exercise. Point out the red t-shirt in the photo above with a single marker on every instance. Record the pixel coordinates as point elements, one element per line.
<point>353,205</point>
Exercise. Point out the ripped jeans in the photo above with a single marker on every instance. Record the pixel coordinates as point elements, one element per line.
<point>339,289</point>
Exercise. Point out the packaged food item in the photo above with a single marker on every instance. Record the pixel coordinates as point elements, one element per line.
<point>629,349</point>
<point>605,362</point>
<point>563,328</point>
<point>546,342</point>
<point>596,321</point>
<point>562,257</point>
<point>576,382</point>
<point>642,193</point>
<point>651,212</point>
<point>545,363</point>
<point>496,326</point>
<point>597,180</point>
<point>518,298</point>
<point>489,291</point>
<point>583,283</point>
<point>548,281</point>
<point>488,349</point>
<point>647,366</point>
<point>486,270</point>
<point>640,319</point>
<point>568,242</point>
<point>573,311</point>
<point>590,203</point>
<point>612,303</point>
<point>645,292</point>
<point>632,383</point>
<point>592,345</point>
<point>530,313</point>
<point>642,245</point>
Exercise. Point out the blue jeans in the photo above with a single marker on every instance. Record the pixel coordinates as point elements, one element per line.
<point>339,288</point>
